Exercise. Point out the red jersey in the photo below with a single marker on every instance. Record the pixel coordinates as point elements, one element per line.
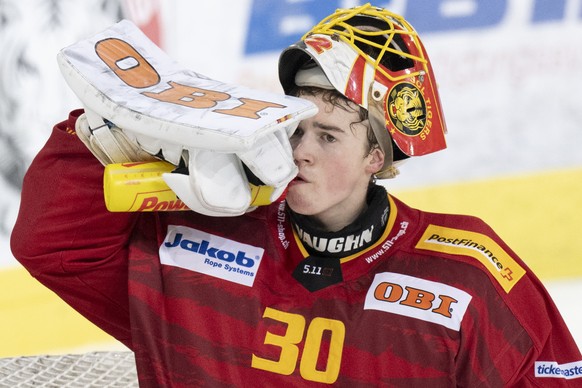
<point>437,301</point>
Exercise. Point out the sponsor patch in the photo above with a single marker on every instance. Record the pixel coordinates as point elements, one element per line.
<point>418,298</point>
<point>212,255</point>
<point>479,246</point>
<point>572,370</point>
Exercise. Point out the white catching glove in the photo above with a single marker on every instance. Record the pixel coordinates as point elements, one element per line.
<point>217,129</point>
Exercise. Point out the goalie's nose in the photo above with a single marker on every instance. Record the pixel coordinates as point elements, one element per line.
<point>303,152</point>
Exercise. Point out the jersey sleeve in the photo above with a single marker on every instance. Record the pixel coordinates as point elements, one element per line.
<point>513,334</point>
<point>65,237</point>
<point>555,359</point>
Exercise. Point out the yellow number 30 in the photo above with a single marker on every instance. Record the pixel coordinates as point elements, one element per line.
<point>290,350</point>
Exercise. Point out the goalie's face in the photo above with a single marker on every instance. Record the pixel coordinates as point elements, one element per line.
<point>335,164</point>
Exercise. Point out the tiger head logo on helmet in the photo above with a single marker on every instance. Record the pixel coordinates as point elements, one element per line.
<point>376,59</point>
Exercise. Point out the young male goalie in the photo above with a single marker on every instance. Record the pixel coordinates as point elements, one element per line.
<point>338,282</point>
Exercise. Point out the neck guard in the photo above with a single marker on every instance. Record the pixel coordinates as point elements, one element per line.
<point>360,234</point>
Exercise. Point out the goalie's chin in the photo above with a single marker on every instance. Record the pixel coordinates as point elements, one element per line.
<point>299,196</point>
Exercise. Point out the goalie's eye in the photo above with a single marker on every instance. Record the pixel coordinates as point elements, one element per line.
<point>297,134</point>
<point>328,138</point>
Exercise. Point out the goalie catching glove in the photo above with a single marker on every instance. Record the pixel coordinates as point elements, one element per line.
<point>140,105</point>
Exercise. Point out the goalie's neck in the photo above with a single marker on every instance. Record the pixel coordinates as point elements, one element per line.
<point>364,231</point>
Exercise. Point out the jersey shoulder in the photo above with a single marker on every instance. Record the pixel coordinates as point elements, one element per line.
<point>470,240</point>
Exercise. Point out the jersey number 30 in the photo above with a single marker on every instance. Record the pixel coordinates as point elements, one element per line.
<point>290,342</point>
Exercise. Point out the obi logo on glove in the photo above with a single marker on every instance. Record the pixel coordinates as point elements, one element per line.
<point>133,69</point>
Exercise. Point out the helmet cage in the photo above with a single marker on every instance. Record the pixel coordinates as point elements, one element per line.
<point>378,32</point>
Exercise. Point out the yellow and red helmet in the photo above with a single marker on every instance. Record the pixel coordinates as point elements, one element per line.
<point>376,59</point>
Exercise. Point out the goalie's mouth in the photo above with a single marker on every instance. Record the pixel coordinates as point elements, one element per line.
<point>299,179</point>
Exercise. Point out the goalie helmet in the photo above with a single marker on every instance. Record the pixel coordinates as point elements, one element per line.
<point>376,59</point>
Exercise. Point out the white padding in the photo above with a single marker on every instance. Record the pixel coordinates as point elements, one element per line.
<point>216,184</point>
<point>271,160</point>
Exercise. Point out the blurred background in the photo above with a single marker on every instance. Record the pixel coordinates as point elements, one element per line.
<point>509,74</point>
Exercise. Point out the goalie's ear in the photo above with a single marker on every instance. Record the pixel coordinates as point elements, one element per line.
<point>375,161</point>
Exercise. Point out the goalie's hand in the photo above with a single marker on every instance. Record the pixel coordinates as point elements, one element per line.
<point>111,144</point>
<point>175,114</point>
<point>208,182</point>
<point>107,142</point>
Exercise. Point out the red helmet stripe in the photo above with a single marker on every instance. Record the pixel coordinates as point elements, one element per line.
<point>355,84</point>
